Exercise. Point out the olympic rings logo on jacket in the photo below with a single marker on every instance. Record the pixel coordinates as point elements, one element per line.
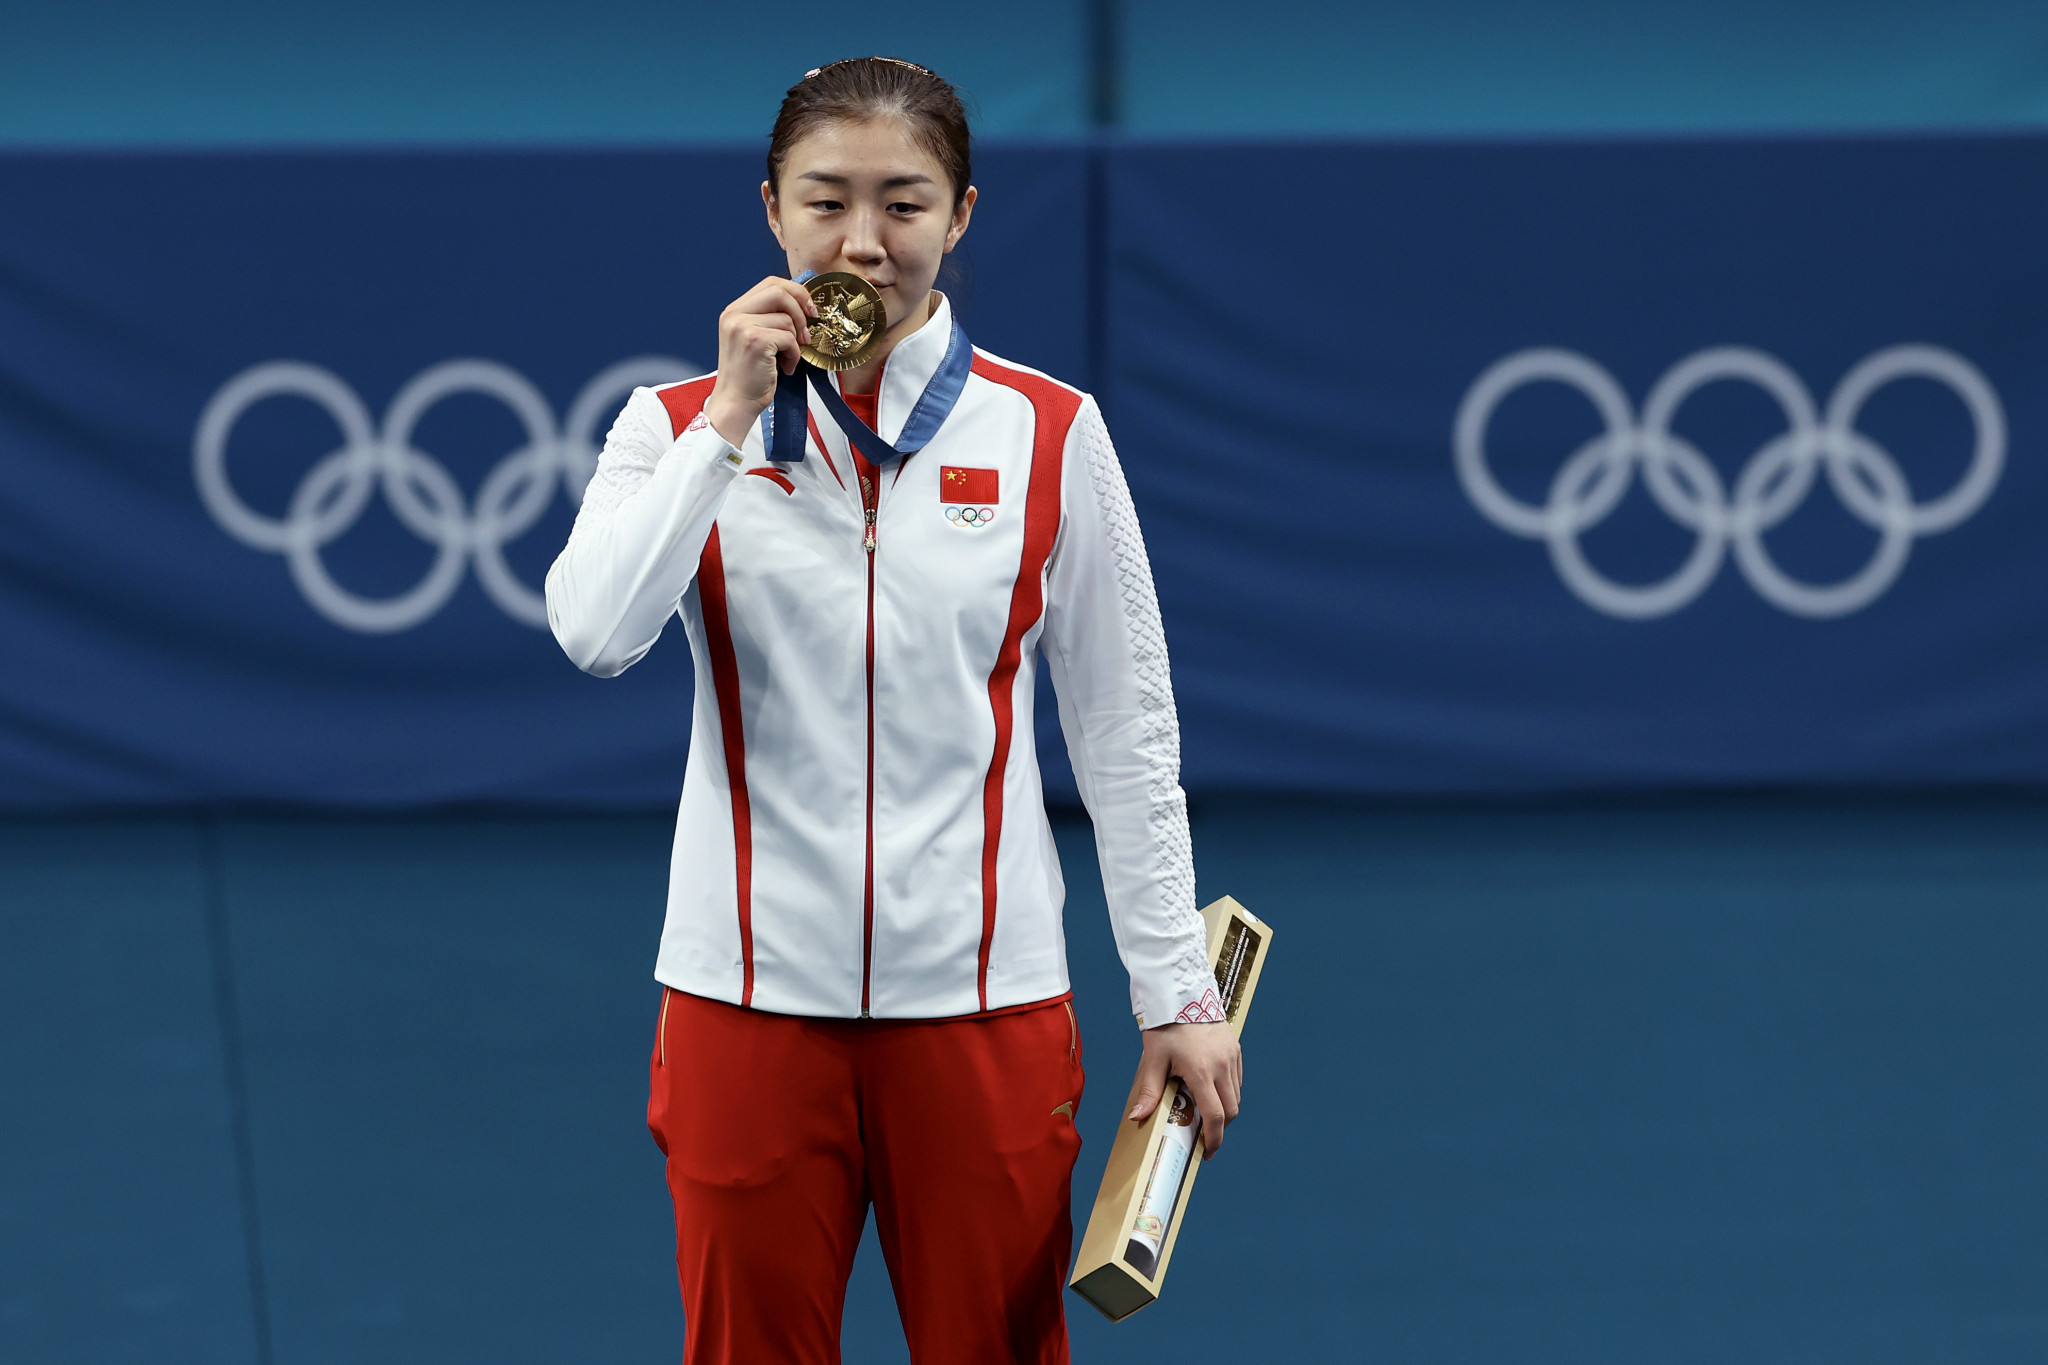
<point>1772,485</point>
<point>421,492</point>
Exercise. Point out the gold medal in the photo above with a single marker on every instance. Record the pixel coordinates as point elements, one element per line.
<point>850,323</point>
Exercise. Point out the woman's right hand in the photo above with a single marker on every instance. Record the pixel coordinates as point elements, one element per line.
<point>758,336</point>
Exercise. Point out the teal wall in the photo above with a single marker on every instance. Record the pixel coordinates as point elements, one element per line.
<point>1495,66</point>
<point>1756,1081</point>
<point>214,72</point>
<point>518,71</point>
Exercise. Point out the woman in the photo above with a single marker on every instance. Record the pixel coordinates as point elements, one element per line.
<point>865,977</point>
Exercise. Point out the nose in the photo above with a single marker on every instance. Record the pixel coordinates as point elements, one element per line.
<point>863,245</point>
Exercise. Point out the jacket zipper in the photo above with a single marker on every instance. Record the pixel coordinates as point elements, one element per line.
<point>870,503</point>
<point>870,476</point>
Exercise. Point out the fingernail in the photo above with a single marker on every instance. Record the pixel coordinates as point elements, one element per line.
<point>1134,1110</point>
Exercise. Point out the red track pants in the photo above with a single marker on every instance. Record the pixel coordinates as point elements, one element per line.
<point>780,1130</point>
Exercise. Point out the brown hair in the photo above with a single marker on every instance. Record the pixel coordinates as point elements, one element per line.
<point>861,88</point>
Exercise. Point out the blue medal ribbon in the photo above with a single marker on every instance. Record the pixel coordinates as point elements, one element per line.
<point>783,423</point>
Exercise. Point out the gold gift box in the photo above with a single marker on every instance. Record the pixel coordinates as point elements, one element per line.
<point>1117,1268</point>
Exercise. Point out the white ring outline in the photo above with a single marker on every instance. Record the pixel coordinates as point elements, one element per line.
<point>1772,484</point>
<point>421,492</point>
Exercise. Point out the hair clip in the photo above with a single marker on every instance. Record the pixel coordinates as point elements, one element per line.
<point>894,61</point>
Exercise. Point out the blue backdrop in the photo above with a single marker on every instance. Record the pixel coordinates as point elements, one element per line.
<point>1296,332</point>
<point>1465,468</point>
<point>155,656</point>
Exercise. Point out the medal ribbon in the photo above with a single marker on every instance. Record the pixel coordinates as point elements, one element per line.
<point>783,422</point>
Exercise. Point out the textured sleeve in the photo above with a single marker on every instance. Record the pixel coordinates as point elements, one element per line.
<point>1107,652</point>
<point>646,514</point>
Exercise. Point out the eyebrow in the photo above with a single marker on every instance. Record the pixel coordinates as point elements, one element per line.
<point>893,182</point>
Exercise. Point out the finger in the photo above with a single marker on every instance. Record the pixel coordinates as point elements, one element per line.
<point>793,301</point>
<point>797,303</point>
<point>775,291</point>
<point>755,348</point>
<point>778,298</point>
<point>740,328</point>
<point>804,301</point>
<point>1210,1106</point>
<point>1149,1086</point>
<point>774,339</point>
<point>775,329</point>
<point>777,287</point>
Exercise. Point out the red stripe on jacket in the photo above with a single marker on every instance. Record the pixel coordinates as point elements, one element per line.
<point>1053,406</point>
<point>684,402</point>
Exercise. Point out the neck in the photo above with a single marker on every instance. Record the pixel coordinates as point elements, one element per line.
<point>864,378</point>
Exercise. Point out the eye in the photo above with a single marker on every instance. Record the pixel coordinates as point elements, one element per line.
<point>827,205</point>
<point>905,209</point>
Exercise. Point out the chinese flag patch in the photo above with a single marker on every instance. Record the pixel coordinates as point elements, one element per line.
<point>966,485</point>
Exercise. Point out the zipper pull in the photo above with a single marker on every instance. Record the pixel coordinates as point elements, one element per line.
<point>868,541</point>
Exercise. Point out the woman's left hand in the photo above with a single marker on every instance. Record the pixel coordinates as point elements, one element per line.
<point>1208,1061</point>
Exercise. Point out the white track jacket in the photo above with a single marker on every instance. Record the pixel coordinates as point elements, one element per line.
<point>862,831</point>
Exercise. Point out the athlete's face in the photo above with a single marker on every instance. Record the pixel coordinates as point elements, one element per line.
<point>867,199</point>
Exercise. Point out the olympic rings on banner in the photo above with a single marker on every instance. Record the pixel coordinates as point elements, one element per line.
<point>419,489</point>
<point>1772,485</point>
<point>970,516</point>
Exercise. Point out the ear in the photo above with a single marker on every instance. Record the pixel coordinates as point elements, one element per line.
<point>961,213</point>
<point>774,210</point>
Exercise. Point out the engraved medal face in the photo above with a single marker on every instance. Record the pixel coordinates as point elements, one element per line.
<point>850,321</point>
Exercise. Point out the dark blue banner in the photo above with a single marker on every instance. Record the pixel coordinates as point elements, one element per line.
<point>287,443</point>
<point>1464,468</point>
<point>1533,467</point>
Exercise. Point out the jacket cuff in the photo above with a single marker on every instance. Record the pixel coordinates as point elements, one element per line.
<point>1199,1005</point>
<point>701,441</point>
